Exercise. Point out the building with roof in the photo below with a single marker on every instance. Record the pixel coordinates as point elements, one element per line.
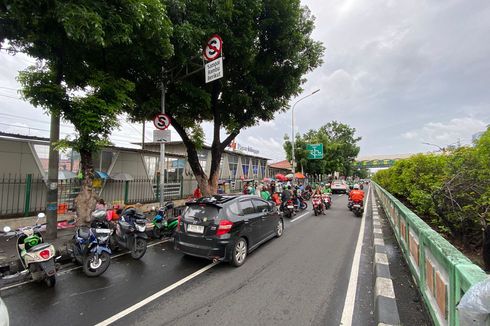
<point>282,167</point>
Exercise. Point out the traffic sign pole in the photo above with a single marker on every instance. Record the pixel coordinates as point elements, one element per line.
<point>162,149</point>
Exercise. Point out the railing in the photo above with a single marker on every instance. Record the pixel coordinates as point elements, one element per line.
<point>26,195</point>
<point>442,272</point>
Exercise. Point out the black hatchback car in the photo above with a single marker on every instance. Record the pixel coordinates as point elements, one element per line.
<point>227,228</point>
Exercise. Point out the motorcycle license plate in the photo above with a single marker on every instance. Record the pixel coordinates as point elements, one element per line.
<point>290,206</point>
<point>195,228</point>
<point>357,206</point>
<point>101,231</point>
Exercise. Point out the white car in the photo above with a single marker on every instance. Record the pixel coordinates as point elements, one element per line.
<point>339,187</point>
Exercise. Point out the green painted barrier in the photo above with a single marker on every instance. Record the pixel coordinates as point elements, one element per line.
<point>443,274</point>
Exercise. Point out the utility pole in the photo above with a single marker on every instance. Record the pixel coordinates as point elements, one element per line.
<point>52,196</point>
<point>143,137</point>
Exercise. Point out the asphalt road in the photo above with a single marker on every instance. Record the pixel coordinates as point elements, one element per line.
<point>298,279</point>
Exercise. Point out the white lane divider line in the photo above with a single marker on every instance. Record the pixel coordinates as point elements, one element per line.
<point>350,297</point>
<point>297,218</point>
<point>155,296</point>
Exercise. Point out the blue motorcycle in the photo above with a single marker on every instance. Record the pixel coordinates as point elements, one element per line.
<point>90,247</point>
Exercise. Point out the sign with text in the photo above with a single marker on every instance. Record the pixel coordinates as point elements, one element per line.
<point>214,70</point>
<point>161,136</point>
<point>315,151</point>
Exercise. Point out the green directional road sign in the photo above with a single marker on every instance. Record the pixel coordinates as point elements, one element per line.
<point>315,151</point>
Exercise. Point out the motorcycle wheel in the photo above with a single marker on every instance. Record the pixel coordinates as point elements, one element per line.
<point>157,233</point>
<point>304,205</point>
<point>50,281</point>
<point>94,267</point>
<point>139,248</point>
<point>316,212</point>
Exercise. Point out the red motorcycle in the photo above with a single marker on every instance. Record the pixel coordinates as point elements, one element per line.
<point>318,207</point>
<point>327,200</point>
<point>288,209</point>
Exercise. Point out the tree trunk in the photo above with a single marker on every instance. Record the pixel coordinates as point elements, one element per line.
<point>86,199</point>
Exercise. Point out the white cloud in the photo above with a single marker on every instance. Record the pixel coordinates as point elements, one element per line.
<point>447,133</point>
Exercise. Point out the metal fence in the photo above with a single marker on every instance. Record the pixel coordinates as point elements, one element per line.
<point>26,195</point>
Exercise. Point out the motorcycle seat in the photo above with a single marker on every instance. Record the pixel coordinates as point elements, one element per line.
<point>83,233</point>
<point>40,246</point>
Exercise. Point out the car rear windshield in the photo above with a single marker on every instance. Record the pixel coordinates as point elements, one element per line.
<point>199,212</point>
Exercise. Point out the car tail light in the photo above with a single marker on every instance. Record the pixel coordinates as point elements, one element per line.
<point>45,254</point>
<point>178,223</point>
<point>224,227</point>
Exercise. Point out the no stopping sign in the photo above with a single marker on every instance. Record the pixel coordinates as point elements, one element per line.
<point>161,121</point>
<point>213,47</point>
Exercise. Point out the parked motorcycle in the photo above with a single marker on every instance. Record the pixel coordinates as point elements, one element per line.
<point>90,247</point>
<point>36,256</point>
<point>163,225</point>
<point>357,208</point>
<point>318,205</point>
<point>130,233</point>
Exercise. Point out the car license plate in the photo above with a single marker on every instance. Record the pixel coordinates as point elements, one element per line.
<point>290,206</point>
<point>195,228</point>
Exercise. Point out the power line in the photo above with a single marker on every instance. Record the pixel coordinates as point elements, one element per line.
<point>10,88</point>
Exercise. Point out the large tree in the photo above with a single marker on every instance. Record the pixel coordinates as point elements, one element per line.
<point>82,49</point>
<point>339,146</point>
<point>267,51</point>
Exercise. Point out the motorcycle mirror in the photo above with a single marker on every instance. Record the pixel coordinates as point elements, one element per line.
<point>7,229</point>
<point>41,215</point>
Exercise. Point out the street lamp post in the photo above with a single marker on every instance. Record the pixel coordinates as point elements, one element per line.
<point>292,131</point>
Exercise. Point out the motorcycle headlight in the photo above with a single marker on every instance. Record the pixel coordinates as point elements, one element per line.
<point>140,227</point>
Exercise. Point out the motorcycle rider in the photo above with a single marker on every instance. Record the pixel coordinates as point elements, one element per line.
<point>356,195</point>
<point>285,196</point>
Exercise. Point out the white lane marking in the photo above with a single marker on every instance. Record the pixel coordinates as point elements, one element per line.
<point>297,218</point>
<point>379,242</point>
<point>153,297</point>
<point>350,297</point>
<point>65,271</point>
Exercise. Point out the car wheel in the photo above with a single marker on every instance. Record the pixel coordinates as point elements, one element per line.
<point>239,254</point>
<point>279,228</point>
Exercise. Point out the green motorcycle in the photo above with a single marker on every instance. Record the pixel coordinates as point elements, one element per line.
<point>163,225</point>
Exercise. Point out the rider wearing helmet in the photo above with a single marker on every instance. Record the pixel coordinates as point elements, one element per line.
<point>356,195</point>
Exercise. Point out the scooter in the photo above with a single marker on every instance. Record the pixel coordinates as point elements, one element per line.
<point>164,226</point>
<point>357,208</point>
<point>130,233</point>
<point>317,205</point>
<point>288,209</point>
<point>36,257</point>
<point>327,200</point>
<point>90,246</point>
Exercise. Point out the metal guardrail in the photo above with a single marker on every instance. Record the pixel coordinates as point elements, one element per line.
<point>442,272</point>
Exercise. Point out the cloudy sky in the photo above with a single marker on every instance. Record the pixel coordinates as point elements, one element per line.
<point>401,72</point>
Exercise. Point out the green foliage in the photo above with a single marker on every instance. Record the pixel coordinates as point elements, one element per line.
<point>339,147</point>
<point>76,43</point>
<point>449,191</point>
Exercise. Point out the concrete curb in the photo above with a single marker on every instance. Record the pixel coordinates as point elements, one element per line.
<point>385,308</point>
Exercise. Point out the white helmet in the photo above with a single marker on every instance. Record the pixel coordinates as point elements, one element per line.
<point>356,186</point>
